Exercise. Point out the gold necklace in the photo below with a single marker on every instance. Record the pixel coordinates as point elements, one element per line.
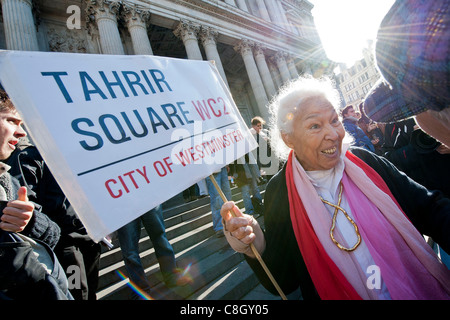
<point>338,208</point>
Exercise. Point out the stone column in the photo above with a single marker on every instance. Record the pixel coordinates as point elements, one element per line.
<point>20,30</point>
<point>245,49</point>
<point>263,10</point>
<point>274,12</point>
<point>292,68</point>
<point>105,12</point>
<point>188,32</point>
<point>264,71</point>
<point>275,74</point>
<point>242,5</point>
<point>283,17</point>
<point>306,68</point>
<point>208,37</point>
<point>282,66</point>
<point>137,26</point>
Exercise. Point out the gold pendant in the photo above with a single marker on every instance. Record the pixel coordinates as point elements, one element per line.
<point>338,208</point>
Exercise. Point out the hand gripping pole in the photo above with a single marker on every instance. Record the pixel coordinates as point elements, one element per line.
<point>255,252</point>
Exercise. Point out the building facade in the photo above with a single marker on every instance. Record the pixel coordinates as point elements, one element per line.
<point>355,82</point>
<point>257,45</point>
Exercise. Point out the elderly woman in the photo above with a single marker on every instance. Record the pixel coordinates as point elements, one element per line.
<point>340,223</point>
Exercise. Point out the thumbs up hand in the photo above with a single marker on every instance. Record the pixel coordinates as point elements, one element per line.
<point>17,213</point>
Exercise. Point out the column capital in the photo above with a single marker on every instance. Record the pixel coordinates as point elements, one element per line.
<point>289,57</point>
<point>135,15</point>
<point>280,56</point>
<point>208,35</point>
<point>245,46</point>
<point>259,49</point>
<point>187,30</point>
<point>98,10</point>
<point>102,9</point>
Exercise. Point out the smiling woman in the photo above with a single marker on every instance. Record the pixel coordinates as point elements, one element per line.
<point>316,135</point>
<point>335,213</point>
<point>287,105</point>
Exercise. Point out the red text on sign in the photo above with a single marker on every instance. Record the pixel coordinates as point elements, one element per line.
<point>122,184</point>
<point>217,107</point>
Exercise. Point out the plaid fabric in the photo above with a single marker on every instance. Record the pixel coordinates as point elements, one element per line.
<point>412,53</point>
<point>385,104</point>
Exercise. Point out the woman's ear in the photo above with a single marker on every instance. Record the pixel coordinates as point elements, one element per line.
<point>287,139</point>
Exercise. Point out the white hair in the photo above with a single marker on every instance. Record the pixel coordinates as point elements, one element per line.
<point>289,101</point>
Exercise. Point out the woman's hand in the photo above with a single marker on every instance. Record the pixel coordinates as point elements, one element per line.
<point>242,230</point>
<point>239,226</point>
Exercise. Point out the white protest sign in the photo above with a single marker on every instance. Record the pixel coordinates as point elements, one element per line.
<point>122,134</point>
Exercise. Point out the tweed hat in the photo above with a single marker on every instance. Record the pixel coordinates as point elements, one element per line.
<point>412,54</point>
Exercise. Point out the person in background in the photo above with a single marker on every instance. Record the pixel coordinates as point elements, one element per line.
<point>202,188</point>
<point>350,122</point>
<point>75,247</point>
<point>373,131</point>
<point>245,180</point>
<point>129,236</point>
<point>262,153</point>
<point>216,201</point>
<point>29,269</point>
<point>418,155</point>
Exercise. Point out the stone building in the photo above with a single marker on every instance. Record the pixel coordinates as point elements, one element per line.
<point>257,45</point>
<point>355,82</point>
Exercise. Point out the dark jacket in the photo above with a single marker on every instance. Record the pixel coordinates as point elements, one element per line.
<point>22,276</point>
<point>360,138</point>
<point>428,211</point>
<point>413,152</point>
<point>30,169</point>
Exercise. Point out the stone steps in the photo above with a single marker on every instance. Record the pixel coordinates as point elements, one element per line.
<point>217,271</point>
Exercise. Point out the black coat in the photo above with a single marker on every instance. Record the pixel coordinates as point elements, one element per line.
<point>429,211</point>
<point>30,169</point>
<point>21,274</point>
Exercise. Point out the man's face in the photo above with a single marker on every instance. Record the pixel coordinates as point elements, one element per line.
<point>258,127</point>
<point>350,113</point>
<point>10,132</point>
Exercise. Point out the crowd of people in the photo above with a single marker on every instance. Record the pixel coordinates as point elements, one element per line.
<point>347,216</point>
<point>42,240</point>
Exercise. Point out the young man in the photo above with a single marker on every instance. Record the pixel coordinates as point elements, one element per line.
<point>28,266</point>
<point>350,122</point>
<point>74,248</point>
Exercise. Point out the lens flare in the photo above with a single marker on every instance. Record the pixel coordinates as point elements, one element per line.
<point>141,293</point>
<point>184,276</point>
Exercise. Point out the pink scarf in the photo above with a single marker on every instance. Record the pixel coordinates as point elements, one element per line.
<point>408,266</point>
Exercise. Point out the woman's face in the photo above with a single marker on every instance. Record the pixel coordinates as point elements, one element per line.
<point>316,135</point>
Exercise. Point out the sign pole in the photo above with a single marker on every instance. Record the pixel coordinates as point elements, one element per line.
<point>255,252</point>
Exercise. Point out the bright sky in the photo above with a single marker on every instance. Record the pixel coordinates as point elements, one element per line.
<point>344,26</point>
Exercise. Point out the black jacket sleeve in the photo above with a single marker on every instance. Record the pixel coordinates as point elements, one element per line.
<point>40,227</point>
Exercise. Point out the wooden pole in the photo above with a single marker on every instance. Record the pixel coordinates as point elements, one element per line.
<point>255,252</point>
